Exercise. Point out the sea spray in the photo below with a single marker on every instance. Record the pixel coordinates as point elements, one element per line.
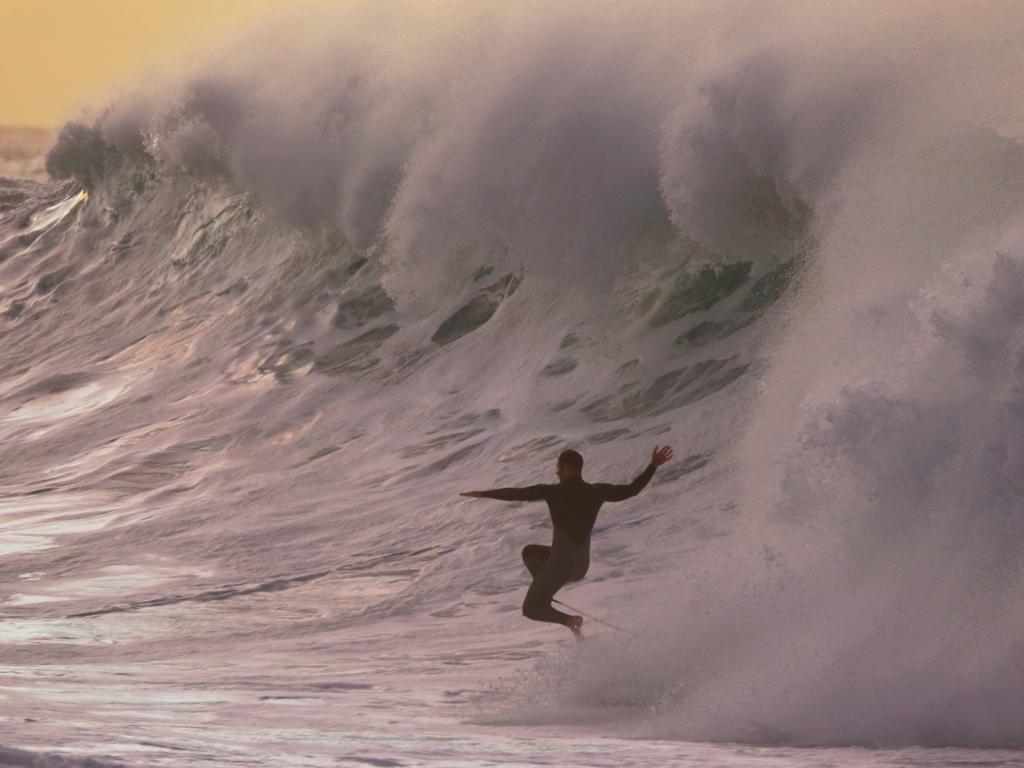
<point>364,260</point>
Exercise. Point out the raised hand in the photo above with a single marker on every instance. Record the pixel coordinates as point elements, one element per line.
<point>661,455</point>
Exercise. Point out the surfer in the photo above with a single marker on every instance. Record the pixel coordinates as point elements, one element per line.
<point>574,504</point>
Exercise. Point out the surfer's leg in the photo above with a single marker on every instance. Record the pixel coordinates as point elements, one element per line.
<point>535,555</point>
<point>537,605</point>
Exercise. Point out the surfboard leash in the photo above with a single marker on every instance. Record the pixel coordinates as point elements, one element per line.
<point>593,618</point>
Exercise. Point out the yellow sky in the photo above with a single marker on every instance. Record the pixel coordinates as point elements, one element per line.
<point>59,55</point>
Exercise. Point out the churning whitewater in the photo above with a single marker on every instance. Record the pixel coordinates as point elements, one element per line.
<point>276,312</point>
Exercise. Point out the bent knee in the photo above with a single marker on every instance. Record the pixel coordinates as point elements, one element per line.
<point>531,609</point>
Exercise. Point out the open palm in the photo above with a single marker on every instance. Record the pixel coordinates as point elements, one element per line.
<point>661,455</point>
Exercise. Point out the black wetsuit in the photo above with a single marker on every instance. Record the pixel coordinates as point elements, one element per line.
<point>574,504</point>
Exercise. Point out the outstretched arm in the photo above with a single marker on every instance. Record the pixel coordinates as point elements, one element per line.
<point>529,493</point>
<point>611,492</point>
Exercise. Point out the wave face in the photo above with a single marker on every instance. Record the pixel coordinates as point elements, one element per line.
<point>287,306</point>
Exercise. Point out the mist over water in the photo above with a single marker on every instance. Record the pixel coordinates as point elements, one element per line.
<point>360,261</point>
<point>868,595</point>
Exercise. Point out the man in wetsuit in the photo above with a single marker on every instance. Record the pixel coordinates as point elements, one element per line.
<point>574,504</point>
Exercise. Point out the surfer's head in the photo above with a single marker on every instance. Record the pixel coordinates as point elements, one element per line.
<point>570,464</point>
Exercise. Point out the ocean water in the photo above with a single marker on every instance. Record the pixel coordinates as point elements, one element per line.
<point>273,313</point>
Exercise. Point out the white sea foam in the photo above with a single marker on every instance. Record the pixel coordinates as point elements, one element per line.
<point>366,259</point>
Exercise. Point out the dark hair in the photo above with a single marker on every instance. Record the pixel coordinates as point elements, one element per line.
<point>572,460</point>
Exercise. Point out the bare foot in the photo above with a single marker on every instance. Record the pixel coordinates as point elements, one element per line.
<point>575,623</point>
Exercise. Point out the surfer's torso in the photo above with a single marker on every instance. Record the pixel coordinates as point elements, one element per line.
<point>573,502</point>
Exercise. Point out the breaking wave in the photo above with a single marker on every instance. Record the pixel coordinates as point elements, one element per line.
<point>287,305</point>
